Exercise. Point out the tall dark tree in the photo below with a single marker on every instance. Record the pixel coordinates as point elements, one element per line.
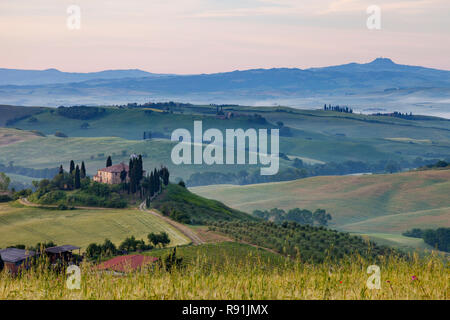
<point>139,169</point>
<point>77,178</point>
<point>164,173</point>
<point>109,162</point>
<point>83,170</point>
<point>132,175</point>
<point>72,167</point>
<point>157,180</point>
<point>123,176</point>
<point>61,169</point>
<point>152,184</point>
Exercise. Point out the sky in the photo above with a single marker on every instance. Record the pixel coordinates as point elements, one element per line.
<point>207,36</point>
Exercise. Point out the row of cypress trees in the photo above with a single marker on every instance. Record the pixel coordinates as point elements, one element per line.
<point>76,172</point>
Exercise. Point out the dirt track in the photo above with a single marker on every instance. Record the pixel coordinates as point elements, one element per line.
<point>180,227</point>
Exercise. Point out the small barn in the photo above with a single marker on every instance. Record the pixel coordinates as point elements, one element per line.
<point>62,254</point>
<point>14,259</point>
<point>127,263</point>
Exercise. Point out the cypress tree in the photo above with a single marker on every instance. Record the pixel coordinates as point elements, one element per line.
<point>61,170</point>
<point>132,173</point>
<point>164,172</point>
<point>83,171</point>
<point>72,167</point>
<point>140,170</point>
<point>77,177</point>
<point>109,162</point>
<point>152,184</point>
<point>157,181</point>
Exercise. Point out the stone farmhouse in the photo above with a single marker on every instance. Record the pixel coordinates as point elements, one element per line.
<point>111,175</point>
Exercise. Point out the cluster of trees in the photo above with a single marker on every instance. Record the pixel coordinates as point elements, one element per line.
<point>70,180</point>
<point>397,114</point>
<point>88,193</point>
<point>257,118</point>
<point>130,244</point>
<point>135,174</point>
<point>439,238</point>
<point>81,112</point>
<point>306,242</point>
<point>152,184</point>
<point>161,239</point>
<point>158,105</point>
<point>147,186</point>
<point>337,108</point>
<point>439,164</point>
<point>60,134</point>
<point>302,216</point>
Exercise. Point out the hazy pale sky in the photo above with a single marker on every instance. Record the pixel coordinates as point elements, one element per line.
<point>205,36</point>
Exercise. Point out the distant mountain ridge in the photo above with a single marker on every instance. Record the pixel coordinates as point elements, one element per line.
<point>50,76</point>
<point>380,84</point>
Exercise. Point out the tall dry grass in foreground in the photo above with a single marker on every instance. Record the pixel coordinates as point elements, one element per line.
<point>419,278</point>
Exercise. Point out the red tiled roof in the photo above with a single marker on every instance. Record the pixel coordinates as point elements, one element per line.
<point>126,263</point>
<point>116,168</point>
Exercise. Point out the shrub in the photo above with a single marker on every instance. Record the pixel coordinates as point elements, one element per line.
<point>60,134</point>
<point>5,198</point>
<point>62,207</point>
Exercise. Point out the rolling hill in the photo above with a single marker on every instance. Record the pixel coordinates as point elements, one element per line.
<point>48,76</point>
<point>182,205</point>
<point>315,136</point>
<point>380,205</point>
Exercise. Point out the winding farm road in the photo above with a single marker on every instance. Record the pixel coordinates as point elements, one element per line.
<point>180,227</point>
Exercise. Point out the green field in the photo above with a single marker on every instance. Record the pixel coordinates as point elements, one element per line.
<point>28,226</point>
<point>323,136</point>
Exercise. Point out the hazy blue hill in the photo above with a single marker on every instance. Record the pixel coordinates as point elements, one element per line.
<point>48,76</point>
<point>381,85</point>
<point>380,73</point>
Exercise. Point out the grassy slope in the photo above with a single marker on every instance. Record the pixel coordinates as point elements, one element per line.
<point>195,206</point>
<point>314,132</point>
<point>11,136</point>
<point>385,204</point>
<point>12,112</point>
<point>24,225</point>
